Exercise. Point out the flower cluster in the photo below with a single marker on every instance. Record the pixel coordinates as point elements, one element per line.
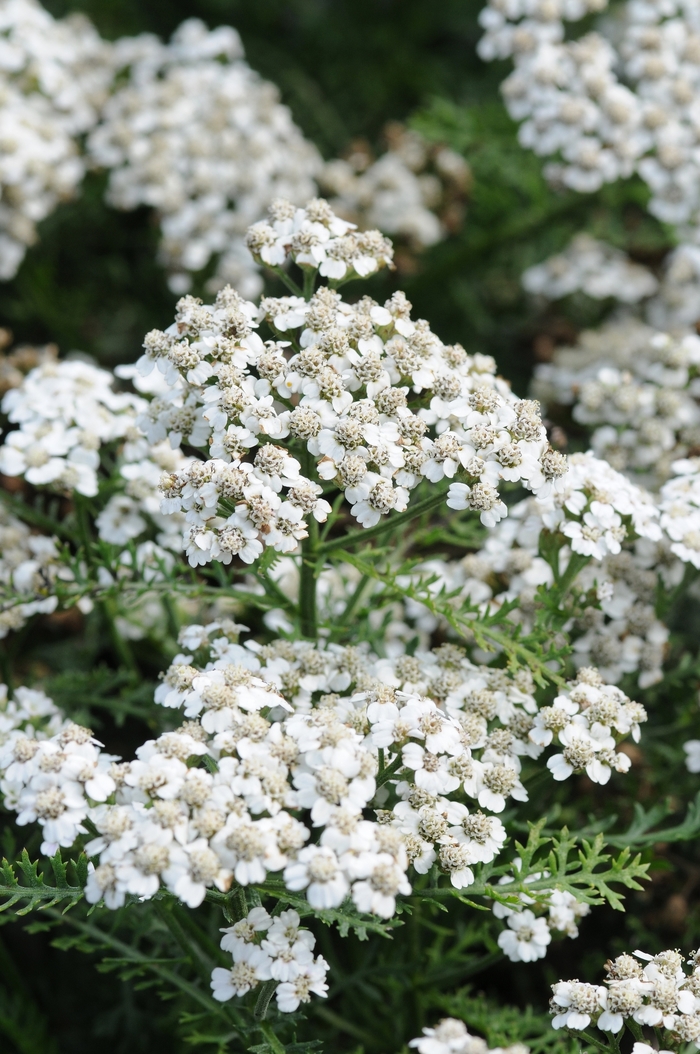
<point>191,130</point>
<point>194,132</point>
<point>527,936</point>
<point>66,411</point>
<point>679,503</point>
<point>591,267</point>
<point>376,399</point>
<point>46,766</point>
<point>30,568</point>
<point>53,78</point>
<point>655,992</point>
<point>606,109</point>
<point>602,272</point>
<point>267,948</point>
<point>413,191</point>
<point>614,626</point>
<point>636,389</point>
<point>450,1036</point>
<point>285,748</point>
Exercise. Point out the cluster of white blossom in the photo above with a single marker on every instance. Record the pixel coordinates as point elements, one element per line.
<point>412,191</point>
<point>679,504</point>
<point>450,1036</point>
<point>655,992</point>
<point>194,132</point>
<point>637,390</point>
<point>30,566</point>
<point>616,628</point>
<point>591,267</point>
<point>54,76</point>
<point>341,381</point>
<point>606,106</point>
<point>528,935</point>
<point>47,766</point>
<point>267,948</point>
<point>284,749</point>
<point>292,726</point>
<point>66,411</point>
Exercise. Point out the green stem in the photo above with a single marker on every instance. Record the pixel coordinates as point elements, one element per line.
<point>289,282</point>
<point>309,282</point>
<point>82,514</point>
<point>166,914</point>
<point>308,573</point>
<point>271,1038</point>
<point>596,1042</point>
<point>309,568</point>
<point>121,645</point>
<point>389,771</point>
<point>353,601</point>
<point>635,1029</point>
<point>389,524</point>
<point>263,1002</point>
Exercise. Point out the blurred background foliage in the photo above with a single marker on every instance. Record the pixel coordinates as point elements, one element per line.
<point>345,68</point>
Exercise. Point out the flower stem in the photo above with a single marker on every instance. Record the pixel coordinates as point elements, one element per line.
<point>307,583</point>
<point>389,524</point>
<point>263,1002</point>
<point>271,1038</point>
<point>309,567</point>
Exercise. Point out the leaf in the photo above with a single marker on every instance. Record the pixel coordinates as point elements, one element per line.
<point>344,917</point>
<point>34,892</point>
<point>641,831</point>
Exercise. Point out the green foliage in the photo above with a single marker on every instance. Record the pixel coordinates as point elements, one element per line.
<point>24,888</point>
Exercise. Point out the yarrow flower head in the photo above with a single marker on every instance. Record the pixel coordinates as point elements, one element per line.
<point>643,989</point>
<point>333,383</point>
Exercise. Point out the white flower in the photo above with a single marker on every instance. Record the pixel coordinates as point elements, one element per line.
<point>317,870</point>
<point>578,1002</point>
<point>251,966</point>
<point>526,939</point>
<point>290,994</point>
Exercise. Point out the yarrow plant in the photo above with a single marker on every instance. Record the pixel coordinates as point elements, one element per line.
<point>316,773</point>
<point>330,681</point>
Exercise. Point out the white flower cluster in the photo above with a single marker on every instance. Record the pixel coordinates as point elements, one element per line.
<point>66,411</point>
<point>398,193</point>
<point>30,565</point>
<point>606,110</point>
<point>54,76</point>
<point>636,388</point>
<point>450,1036</point>
<point>189,129</point>
<point>528,936</point>
<point>267,948</point>
<point>592,267</point>
<point>283,749</point>
<point>659,994</point>
<point>341,380</point>
<point>679,503</point>
<point>617,629</point>
<point>48,767</point>
<point>194,132</point>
